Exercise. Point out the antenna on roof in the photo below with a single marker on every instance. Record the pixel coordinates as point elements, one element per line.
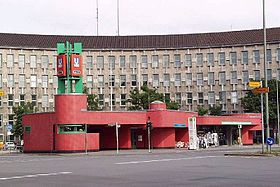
<point>97,17</point>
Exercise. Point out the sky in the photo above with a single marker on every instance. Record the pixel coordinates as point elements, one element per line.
<point>136,17</point>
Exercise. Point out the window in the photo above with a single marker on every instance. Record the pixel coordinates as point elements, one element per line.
<point>278,54</point>
<point>268,55</point>
<point>222,58</point>
<point>233,77</point>
<point>154,61</point>
<point>189,79</point>
<point>245,77</point>
<point>55,81</point>
<point>256,56</point>
<point>189,98</point>
<point>155,80</point>
<point>89,81</point>
<point>145,79</point>
<point>10,80</point>
<point>222,96</point>
<point>27,129</point>
<point>234,97</point>
<point>257,75</point>
<point>33,61</point>
<point>222,78</point>
<point>112,80</point>
<point>167,97</point>
<point>132,61</point>
<point>45,61</point>
<point>54,62</point>
<point>133,80</point>
<point>1,60</point>
<point>123,80</point>
<point>45,81</point>
<point>188,62</point>
<point>200,98</point>
<point>233,58</point>
<point>122,61</point>
<point>101,99</point>
<point>112,60</point>
<point>100,62</point>
<point>269,74</point>
<point>144,61</point>
<point>178,79</point>
<point>89,62</point>
<point>210,59</point>
<point>177,60</point>
<point>10,100</point>
<point>100,79</point>
<point>33,81</point>
<point>211,98</point>
<point>199,59</point>
<point>211,79</point>
<point>1,122</point>
<point>45,101</point>
<point>34,100</point>
<point>113,100</point>
<point>10,60</point>
<point>166,81</point>
<point>21,99</point>
<point>11,119</point>
<point>166,61</point>
<point>199,79</point>
<point>21,61</point>
<point>178,98</point>
<point>71,129</point>
<point>123,99</point>
<point>1,81</point>
<point>244,57</point>
<point>278,74</point>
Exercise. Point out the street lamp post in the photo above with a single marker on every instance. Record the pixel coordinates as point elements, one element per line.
<point>149,128</point>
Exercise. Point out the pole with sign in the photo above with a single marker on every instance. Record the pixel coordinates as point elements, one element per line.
<point>270,142</point>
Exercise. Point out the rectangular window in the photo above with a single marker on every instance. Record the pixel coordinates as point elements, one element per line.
<point>178,79</point>
<point>200,98</point>
<point>199,79</point>
<point>154,61</point>
<point>54,62</point>
<point>101,99</point>
<point>100,79</point>
<point>210,59</point>
<point>10,80</point>
<point>166,81</point>
<point>55,81</point>
<point>71,129</point>
<point>233,77</point>
<point>222,78</point>
<point>21,99</point>
<point>112,60</point>
<point>257,75</point>
<point>278,74</point>
<point>244,57</point>
<point>222,96</point>
<point>21,81</point>
<point>269,74</point>
<point>166,61</point>
<point>188,62</point>
<point>1,60</point>
<point>34,100</point>
<point>268,55</point>
<point>167,97</point>
<point>27,129</point>
<point>10,100</point>
<point>45,81</point>
<point>33,81</point>
<point>199,59</point>
<point>278,54</point>
<point>132,61</point>
<point>112,80</point>
<point>145,79</point>
<point>144,61</point>
<point>45,61</point>
<point>222,58</point>
<point>245,77</point>
<point>100,62</point>
<point>177,60</point>
<point>189,79</point>
<point>189,98</point>
<point>233,58</point>
<point>256,56</point>
<point>234,97</point>
<point>211,98</point>
<point>1,81</point>
<point>21,61</point>
<point>89,81</point>
<point>123,99</point>
<point>178,98</point>
<point>45,101</point>
<point>89,62</point>
<point>155,80</point>
<point>1,122</point>
<point>122,61</point>
<point>133,80</point>
<point>123,80</point>
<point>33,61</point>
<point>10,60</point>
<point>113,100</point>
<point>211,79</point>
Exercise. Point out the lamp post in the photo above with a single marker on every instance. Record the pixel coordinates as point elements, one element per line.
<point>149,128</point>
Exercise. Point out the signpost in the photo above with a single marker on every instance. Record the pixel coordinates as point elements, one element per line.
<point>270,141</point>
<point>117,133</point>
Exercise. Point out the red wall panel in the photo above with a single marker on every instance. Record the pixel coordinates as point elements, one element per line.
<point>182,134</point>
<point>163,137</point>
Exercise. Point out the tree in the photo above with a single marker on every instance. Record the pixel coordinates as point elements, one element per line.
<point>92,100</point>
<point>19,111</point>
<point>202,111</point>
<point>172,105</point>
<point>215,110</point>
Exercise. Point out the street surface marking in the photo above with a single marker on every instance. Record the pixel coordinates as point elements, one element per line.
<point>167,160</point>
<point>35,175</point>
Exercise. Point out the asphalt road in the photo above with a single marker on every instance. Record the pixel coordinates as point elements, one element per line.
<point>160,168</point>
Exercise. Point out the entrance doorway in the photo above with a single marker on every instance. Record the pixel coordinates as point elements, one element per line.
<point>133,138</point>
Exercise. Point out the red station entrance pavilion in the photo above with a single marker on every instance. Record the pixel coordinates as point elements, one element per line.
<point>72,128</point>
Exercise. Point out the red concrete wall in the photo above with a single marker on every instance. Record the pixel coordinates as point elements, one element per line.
<point>247,135</point>
<point>77,142</point>
<point>125,138</point>
<point>163,137</point>
<point>181,134</point>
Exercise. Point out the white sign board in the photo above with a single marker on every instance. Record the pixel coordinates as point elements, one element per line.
<point>192,133</point>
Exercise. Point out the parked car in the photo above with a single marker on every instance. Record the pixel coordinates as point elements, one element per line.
<point>9,146</point>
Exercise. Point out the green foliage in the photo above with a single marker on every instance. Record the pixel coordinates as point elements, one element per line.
<point>215,110</point>
<point>92,100</point>
<point>172,105</point>
<point>202,111</point>
<point>19,111</point>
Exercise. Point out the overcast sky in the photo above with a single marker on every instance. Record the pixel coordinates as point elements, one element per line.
<point>137,17</point>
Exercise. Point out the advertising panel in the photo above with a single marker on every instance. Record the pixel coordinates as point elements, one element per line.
<point>192,133</point>
<point>76,65</point>
<point>61,66</point>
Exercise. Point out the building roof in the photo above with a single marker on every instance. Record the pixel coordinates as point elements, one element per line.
<point>200,40</point>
